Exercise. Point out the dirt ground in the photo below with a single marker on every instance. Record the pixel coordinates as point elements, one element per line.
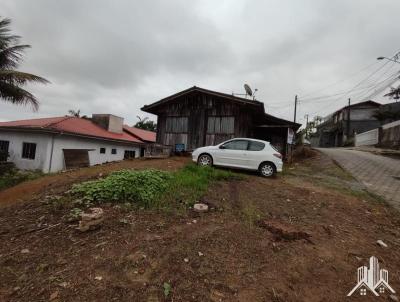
<point>298,237</point>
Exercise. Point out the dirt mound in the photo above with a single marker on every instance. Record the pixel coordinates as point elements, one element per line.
<point>283,231</point>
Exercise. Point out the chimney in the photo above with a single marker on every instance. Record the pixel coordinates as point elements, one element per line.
<point>109,122</point>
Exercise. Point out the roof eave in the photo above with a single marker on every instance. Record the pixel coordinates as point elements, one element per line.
<point>54,131</point>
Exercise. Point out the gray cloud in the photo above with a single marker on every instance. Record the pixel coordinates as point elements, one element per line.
<point>115,56</point>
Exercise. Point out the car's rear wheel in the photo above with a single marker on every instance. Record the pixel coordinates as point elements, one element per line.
<point>205,160</point>
<point>267,169</point>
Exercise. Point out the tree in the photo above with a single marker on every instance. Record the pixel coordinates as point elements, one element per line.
<point>394,93</point>
<point>311,127</point>
<point>146,124</point>
<point>11,80</point>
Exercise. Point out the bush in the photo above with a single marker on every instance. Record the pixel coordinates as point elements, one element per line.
<point>14,176</point>
<point>152,188</point>
<point>142,187</point>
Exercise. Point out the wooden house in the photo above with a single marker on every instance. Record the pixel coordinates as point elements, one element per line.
<point>199,117</point>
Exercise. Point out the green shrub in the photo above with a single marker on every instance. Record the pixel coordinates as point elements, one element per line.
<point>152,188</point>
<point>15,176</point>
<point>141,187</point>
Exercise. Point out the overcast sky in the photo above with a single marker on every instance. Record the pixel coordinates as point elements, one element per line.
<point>116,56</point>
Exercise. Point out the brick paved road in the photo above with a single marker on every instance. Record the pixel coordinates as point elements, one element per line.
<point>380,174</point>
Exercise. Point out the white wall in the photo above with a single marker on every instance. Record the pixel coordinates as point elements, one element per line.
<point>369,138</point>
<point>44,145</point>
<point>95,157</point>
<point>16,140</point>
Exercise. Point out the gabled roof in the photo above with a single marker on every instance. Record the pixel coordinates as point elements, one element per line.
<point>373,103</point>
<point>144,135</point>
<point>258,106</point>
<point>151,108</point>
<point>70,125</point>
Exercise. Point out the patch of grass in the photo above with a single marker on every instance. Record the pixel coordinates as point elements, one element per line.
<point>153,188</point>
<point>251,214</point>
<point>14,176</point>
<point>190,183</point>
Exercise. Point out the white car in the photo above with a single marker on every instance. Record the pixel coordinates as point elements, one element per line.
<point>242,153</point>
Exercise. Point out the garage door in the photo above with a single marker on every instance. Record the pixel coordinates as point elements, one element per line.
<point>76,158</point>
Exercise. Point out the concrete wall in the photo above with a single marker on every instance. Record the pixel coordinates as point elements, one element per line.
<point>390,135</point>
<point>45,143</point>
<point>17,139</point>
<point>369,138</point>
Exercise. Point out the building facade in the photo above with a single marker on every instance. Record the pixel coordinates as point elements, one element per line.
<point>199,117</point>
<point>55,144</point>
<point>339,128</point>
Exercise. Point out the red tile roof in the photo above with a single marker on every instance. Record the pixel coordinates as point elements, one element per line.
<point>72,125</point>
<point>144,135</point>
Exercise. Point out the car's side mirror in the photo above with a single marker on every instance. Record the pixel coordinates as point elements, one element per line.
<point>222,147</point>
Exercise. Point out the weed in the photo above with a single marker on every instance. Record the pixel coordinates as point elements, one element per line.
<point>251,214</point>
<point>75,214</point>
<point>153,188</point>
<point>15,176</point>
<point>167,289</point>
<point>142,187</point>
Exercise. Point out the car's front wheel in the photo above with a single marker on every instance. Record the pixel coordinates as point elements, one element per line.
<point>267,169</point>
<point>205,160</point>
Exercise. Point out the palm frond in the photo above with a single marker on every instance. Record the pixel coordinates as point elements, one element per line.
<point>19,77</point>
<point>6,38</point>
<point>10,57</point>
<point>17,95</point>
<point>11,80</point>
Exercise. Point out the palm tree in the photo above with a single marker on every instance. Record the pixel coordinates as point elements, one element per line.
<point>12,80</point>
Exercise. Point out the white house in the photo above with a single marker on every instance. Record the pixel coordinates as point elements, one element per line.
<point>58,143</point>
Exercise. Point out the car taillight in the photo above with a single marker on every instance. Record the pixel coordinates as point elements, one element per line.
<point>278,155</point>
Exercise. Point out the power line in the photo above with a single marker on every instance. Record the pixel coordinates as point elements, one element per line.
<point>344,79</point>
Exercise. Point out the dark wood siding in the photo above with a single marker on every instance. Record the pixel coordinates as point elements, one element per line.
<point>197,107</point>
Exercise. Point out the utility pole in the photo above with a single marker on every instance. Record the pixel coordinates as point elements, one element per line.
<point>306,116</point>
<point>348,120</point>
<point>295,108</point>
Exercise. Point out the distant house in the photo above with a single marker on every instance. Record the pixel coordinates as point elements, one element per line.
<point>339,127</point>
<point>58,143</point>
<point>198,117</point>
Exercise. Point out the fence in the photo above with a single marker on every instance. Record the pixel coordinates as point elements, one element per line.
<point>387,136</point>
<point>369,138</point>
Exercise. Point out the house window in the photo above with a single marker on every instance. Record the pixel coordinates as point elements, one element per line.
<point>221,124</point>
<point>4,150</point>
<point>363,291</point>
<point>102,150</point>
<point>382,290</point>
<point>176,124</point>
<point>28,150</point>
<point>113,151</point>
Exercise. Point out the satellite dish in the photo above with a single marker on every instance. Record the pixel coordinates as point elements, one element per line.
<point>248,90</point>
